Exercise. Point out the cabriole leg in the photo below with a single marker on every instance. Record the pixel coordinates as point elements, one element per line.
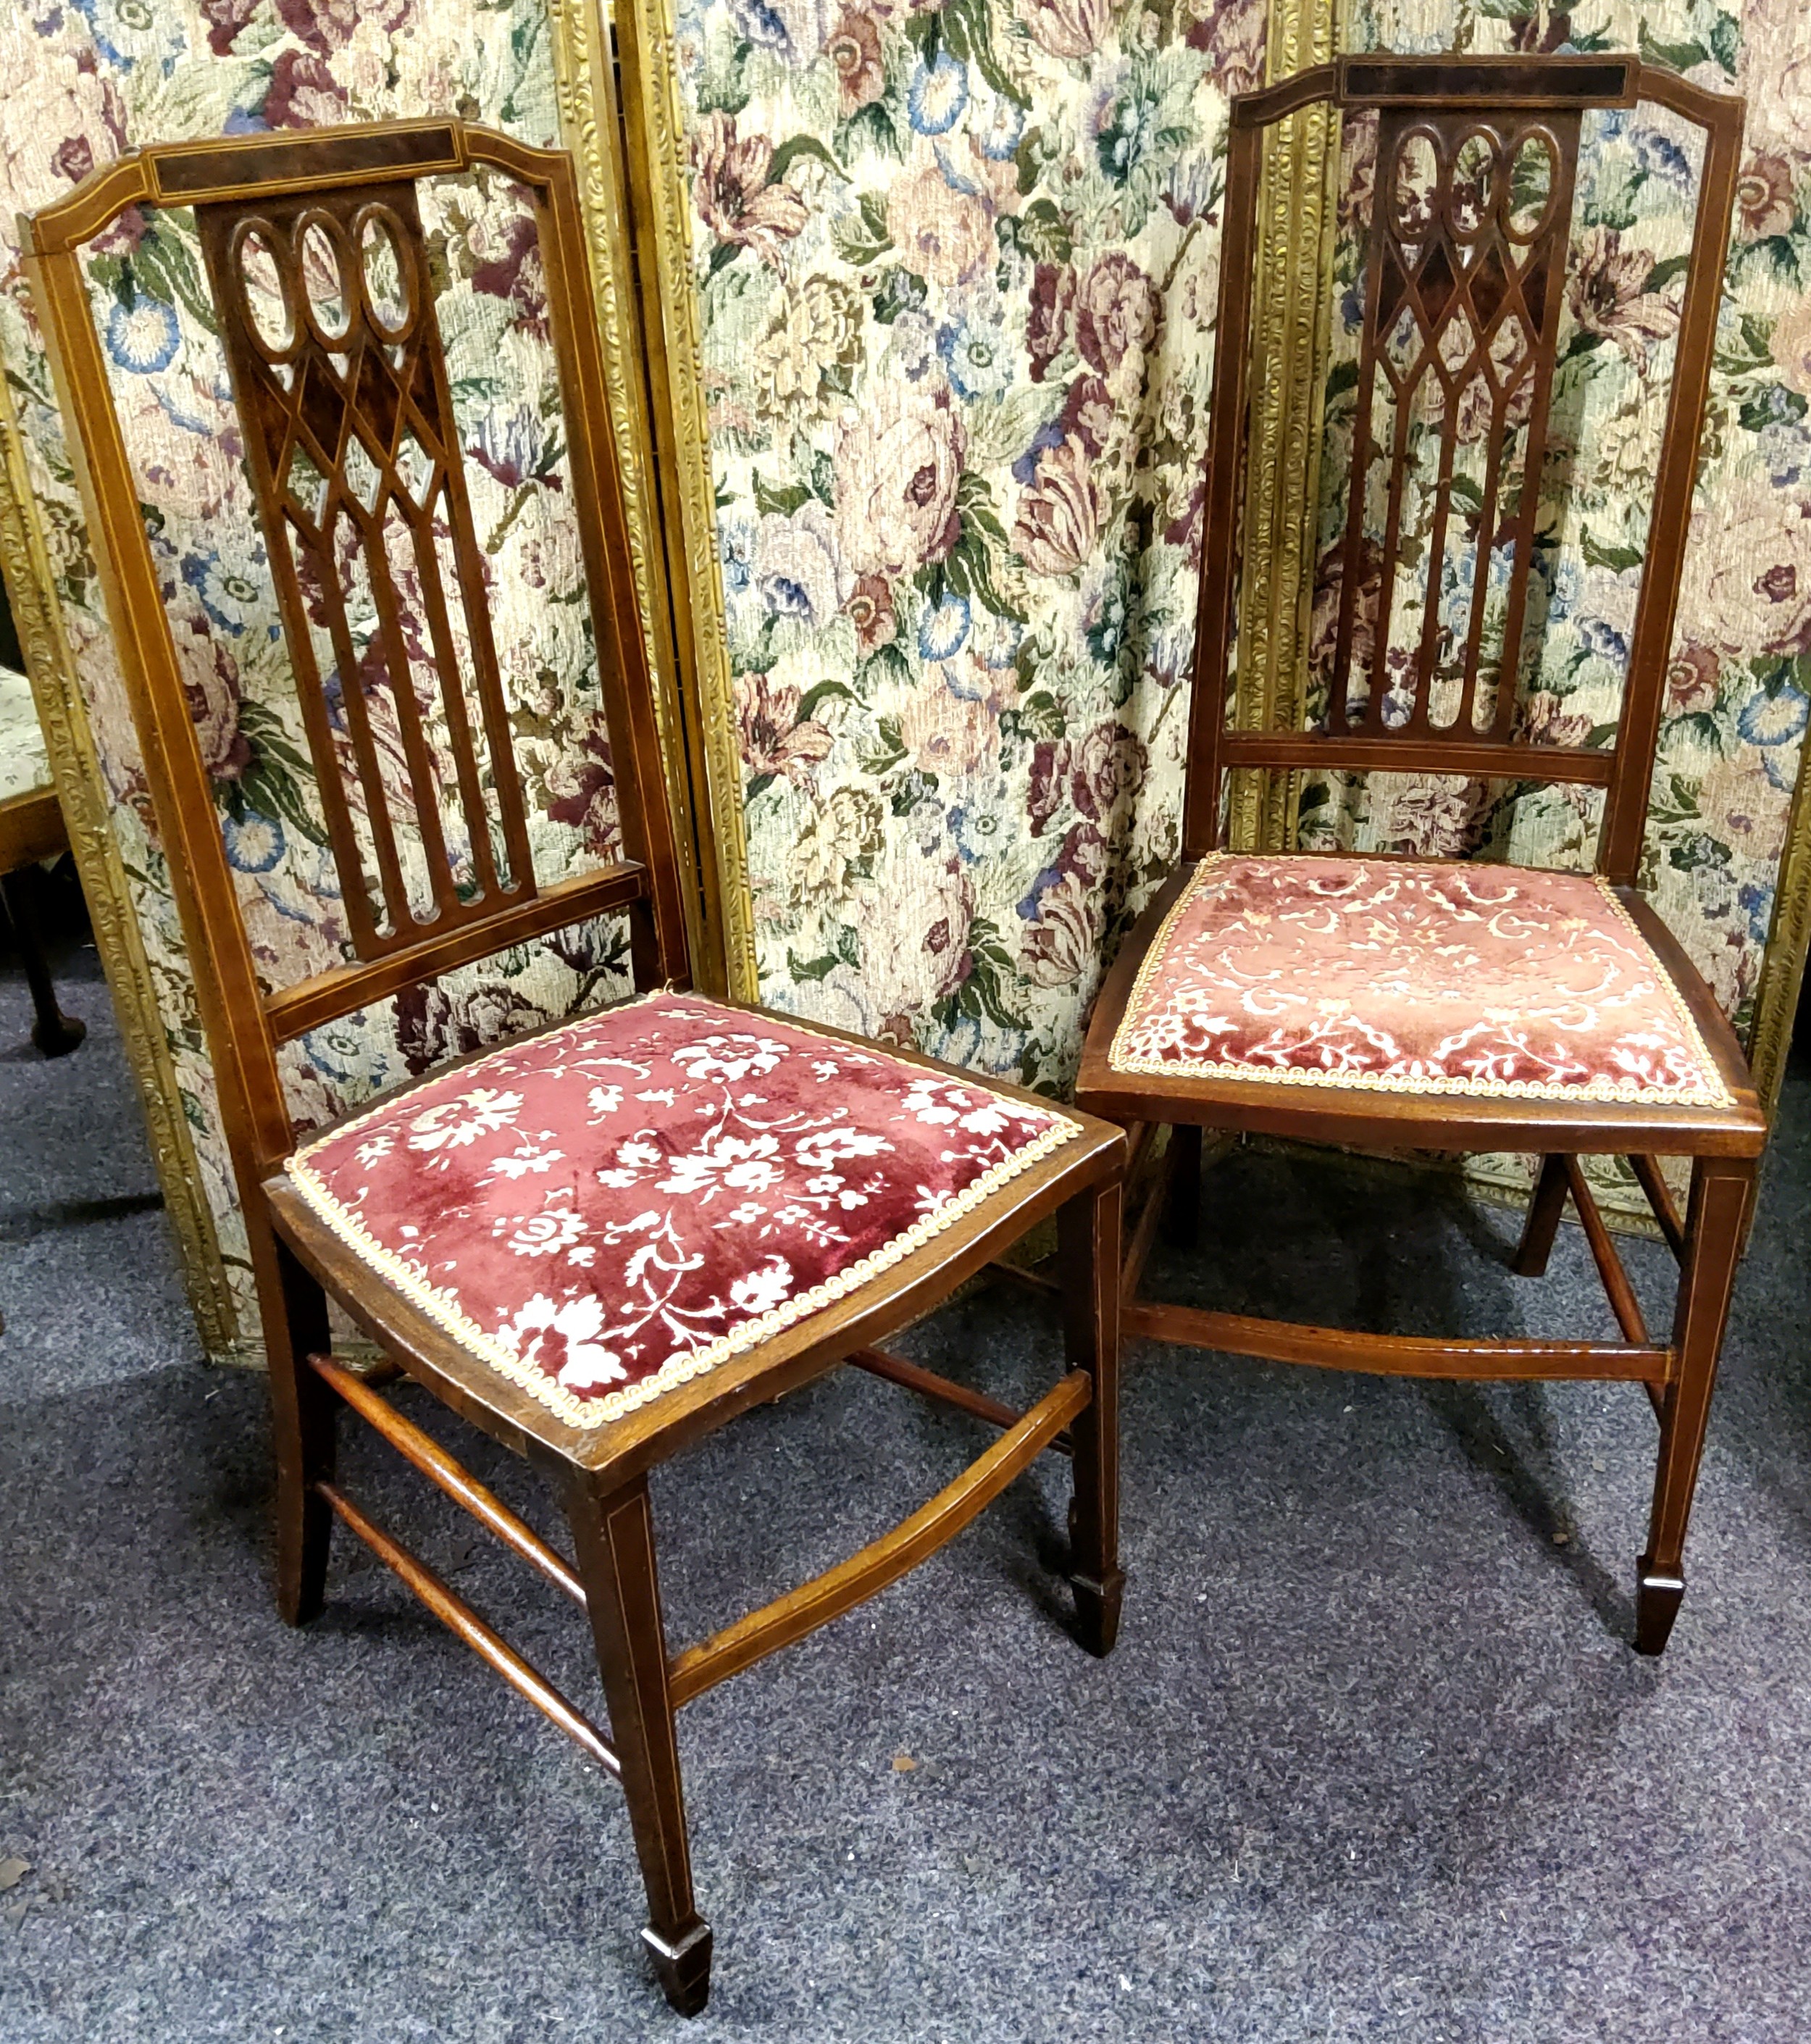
<point>1087,1240</point>
<point>1545,1213</point>
<point>1720,1188</point>
<point>615,1539</point>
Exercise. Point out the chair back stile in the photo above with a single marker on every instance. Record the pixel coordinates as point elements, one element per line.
<point>344,398</point>
<point>1464,283</point>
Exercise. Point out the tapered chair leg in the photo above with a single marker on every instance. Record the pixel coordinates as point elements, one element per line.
<point>614,1537</point>
<point>55,1033</point>
<point>1545,1212</point>
<point>1182,1221</point>
<point>304,1413</point>
<point>1087,1240</point>
<point>1720,1188</point>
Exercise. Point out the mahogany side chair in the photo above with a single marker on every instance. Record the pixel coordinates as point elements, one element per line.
<point>598,1242</point>
<point>1393,1003</point>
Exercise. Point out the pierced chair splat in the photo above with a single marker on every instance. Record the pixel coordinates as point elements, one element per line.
<point>598,1242</point>
<point>1390,1002</point>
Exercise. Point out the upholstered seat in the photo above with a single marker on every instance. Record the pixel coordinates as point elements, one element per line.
<point>610,1208</point>
<point>1394,976</point>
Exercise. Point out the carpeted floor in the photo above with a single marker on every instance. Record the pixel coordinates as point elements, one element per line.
<point>1373,1760</point>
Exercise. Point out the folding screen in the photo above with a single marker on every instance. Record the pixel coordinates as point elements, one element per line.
<point>937,287</point>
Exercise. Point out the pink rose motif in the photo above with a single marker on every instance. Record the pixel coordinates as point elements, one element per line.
<point>1436,818</point>
<point>584,791</point>
<point>1763,197</point>
<point>1746,585</point>
<point>327,26</point>
<point>1050,324</point>
<point>513,272</point>
<point>1232,32</point>
<point>210,681</point>
<point>734,198</point>
<point>854,48</point>
<point>942,234</point>
<point>1691,681</point>
<point>946,734</point>
<point>1118,313</point>
<point>870,608</point>
<point>1059,516</point>
<point>1066,28</point>
<point>304,93</point>
<point>897,466</point>
<point>1110,770</point>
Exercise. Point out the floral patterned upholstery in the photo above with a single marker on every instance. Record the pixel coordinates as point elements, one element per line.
<point>1401,977</point>
<point>604,1210</point>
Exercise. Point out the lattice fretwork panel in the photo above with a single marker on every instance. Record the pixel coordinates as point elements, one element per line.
<point>329,325</point>
<point>1463,286</point>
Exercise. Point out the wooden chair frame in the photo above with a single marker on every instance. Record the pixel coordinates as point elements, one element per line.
<point>1447,99</point>
<point>274,187</point>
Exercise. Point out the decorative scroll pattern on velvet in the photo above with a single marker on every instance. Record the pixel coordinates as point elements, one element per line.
<point>609,1209</point>
<point>1400,977</point>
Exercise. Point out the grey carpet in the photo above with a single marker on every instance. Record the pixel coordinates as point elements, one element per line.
<point>1372,1761</point>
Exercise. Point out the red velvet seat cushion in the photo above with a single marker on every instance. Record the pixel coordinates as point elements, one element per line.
<point>1406,977</point>
<point>605,1210</point>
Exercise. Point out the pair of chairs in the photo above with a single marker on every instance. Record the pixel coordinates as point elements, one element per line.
<point>598,1242</point>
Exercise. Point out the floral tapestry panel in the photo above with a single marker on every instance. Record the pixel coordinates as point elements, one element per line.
<point>1741,674</point>
<point>957,269</point>
<point>85,82</point>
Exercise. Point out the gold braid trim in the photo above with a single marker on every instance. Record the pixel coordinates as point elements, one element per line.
<point>1630,1092</point>
<point>590,1413</point>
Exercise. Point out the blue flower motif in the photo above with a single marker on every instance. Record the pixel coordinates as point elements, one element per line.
<point>1776,718</point>
<point>142,337</point>
<point>1603,638</point>
<point>735,540</point>
<point>938,95</point>
<point>1661,157</point>
<point>977,358</point>
<point>1001,131</point>
<point>1031,907</point>
<point>229,599</point>
<point>254,841</point>
<point>1025,469</point>
<point>1758,901</point>
<point>983,824</point>
<point>961,1043</point>
<point>940,636</point>
<point>1785,448</point>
